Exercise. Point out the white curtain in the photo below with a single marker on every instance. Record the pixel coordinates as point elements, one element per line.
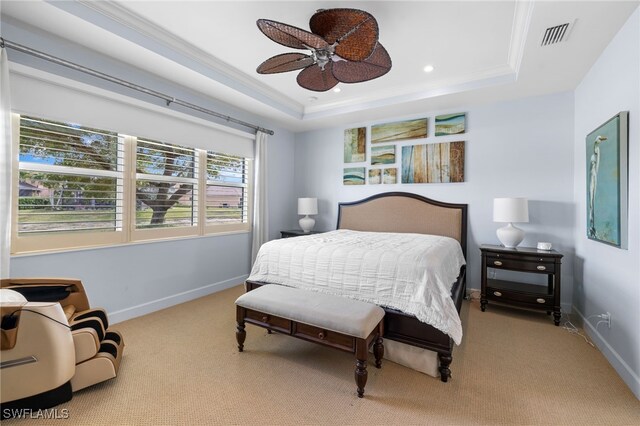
<point>5,166</point>
<point>260,212</point>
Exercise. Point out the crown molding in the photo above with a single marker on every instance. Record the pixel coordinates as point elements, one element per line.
<point>501,74</point>
<point>121,21</point>
<point>521,20</point>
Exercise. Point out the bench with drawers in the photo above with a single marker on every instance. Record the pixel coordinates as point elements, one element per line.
<point>341,323</point>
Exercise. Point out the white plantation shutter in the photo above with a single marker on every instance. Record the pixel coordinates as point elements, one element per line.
<point>70,178</point>
<point>227,189</point>
<point>166,185</point>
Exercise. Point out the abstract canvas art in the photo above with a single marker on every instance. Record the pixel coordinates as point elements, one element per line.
<point>607,196</point>
<point>399,130</point>
<point>383,154</point>
<point>450,124</point>
<point>355,147</point>
<point>390,176</point>
<point>375,176</point>
<point>353,176</point>
<point>433,163</point>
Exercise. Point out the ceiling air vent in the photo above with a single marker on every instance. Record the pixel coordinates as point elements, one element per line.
<point>555,35</point>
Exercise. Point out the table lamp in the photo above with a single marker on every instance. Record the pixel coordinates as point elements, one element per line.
<point>510,210</point>
<point>307,206</point>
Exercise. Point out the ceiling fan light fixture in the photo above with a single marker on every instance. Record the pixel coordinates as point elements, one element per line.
<point>344,48</point>
<point>337,89</point>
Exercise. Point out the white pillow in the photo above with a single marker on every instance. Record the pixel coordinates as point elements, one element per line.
<point>11,296</point>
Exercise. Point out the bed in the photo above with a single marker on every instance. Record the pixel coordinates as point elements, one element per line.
<point>400,212</point>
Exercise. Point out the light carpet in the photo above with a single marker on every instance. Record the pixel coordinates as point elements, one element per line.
<point>181,366</point>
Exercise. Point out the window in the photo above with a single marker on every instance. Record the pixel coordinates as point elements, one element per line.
<point>70,181</point>
<point>166,185</point>
<point>73,188</point>
<point>227,189</point>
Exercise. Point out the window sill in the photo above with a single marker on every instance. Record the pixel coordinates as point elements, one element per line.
<point>132,243</point>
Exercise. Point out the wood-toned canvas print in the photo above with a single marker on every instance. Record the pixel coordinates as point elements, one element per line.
<point>606,168</point>
<point>450,124</point>
<point>433,163</point>
<point>355,145</point>
<point>390,176</point>
<point>375,176</point>
<point>383,154</point>
<point>398,131</point>
<point>353,176</point>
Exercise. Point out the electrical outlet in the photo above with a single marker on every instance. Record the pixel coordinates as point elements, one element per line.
<point>608,319</point>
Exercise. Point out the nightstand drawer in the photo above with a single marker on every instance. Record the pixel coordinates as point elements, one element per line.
<point>519,293</point>
<point>528,264</point>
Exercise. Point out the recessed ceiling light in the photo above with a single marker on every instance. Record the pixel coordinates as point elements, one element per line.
<point>428,68</point>
<point>337,90</point>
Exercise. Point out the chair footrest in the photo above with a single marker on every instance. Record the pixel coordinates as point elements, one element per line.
<point>103,366</point>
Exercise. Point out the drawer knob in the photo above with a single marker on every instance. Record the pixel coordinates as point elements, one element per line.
<point>497,293</point>
<point>265,318</point>
<point>497,263</point>
<point>540,300</point>
<point>321,335</point>
<point>541,268</point>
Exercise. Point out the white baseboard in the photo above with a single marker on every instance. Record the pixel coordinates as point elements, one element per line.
<point>175,299</point>
<point>628,375</point>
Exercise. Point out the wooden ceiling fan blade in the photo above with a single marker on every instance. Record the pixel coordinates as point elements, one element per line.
<point>284,63</point>
<point>316,79</point>
<point>290,36</point>
<point>355,31</point>
<point>376,65</point>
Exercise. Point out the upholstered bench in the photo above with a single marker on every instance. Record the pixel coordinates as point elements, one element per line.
<point>338,322</point>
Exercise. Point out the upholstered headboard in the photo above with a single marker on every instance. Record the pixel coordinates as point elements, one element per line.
<point>405,212</point>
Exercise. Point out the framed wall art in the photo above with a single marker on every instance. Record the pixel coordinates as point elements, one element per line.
<point>355,145</point>
<point>390,176</point>
<point>383,154</point>
<point>375,176</point>
<point>606,173</point>
<point>353,176</point>
<point>433,163</point>
<point>450,124</point>
<point>399,130</point>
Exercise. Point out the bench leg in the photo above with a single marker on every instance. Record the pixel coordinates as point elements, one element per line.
<point>361,376</point>
<point>378,351</point>
<point>240,335</point>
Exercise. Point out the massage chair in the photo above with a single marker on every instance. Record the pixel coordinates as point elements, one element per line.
<point>53,343</point>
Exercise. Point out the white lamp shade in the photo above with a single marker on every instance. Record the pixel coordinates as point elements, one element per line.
<point>510,210</point>
<point>307,206</point>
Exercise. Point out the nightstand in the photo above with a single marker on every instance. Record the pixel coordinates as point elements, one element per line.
<point>297,233</point>
<point>524,260</point>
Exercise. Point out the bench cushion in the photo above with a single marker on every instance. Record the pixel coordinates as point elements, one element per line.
<point>333,313</point>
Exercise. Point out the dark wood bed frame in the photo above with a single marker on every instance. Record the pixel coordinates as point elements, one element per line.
<point>398,325</point>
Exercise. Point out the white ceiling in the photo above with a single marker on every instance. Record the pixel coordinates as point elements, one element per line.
<point>481,51</point>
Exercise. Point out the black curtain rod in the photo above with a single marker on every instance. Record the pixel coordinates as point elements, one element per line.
<point>4,43</point>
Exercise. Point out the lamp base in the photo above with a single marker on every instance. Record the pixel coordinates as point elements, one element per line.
<point>307,223</point>
<point>510,236</point>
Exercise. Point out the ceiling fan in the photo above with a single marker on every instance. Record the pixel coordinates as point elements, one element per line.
<point>344,48</point>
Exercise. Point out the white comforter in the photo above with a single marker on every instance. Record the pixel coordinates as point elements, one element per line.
<point>409,272</point>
